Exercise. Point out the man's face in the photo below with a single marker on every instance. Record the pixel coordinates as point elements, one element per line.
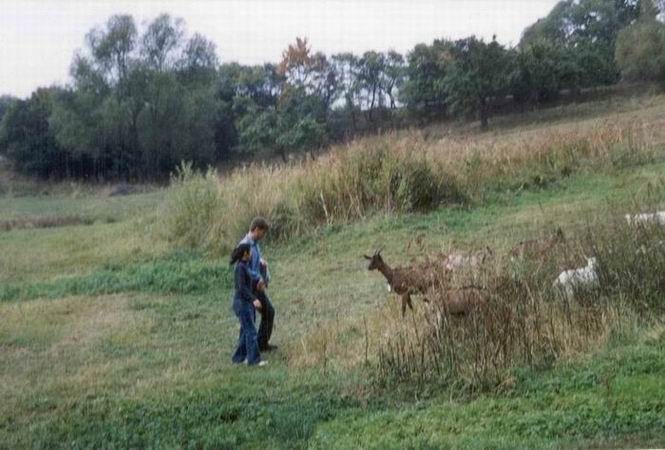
<point>259,234</point>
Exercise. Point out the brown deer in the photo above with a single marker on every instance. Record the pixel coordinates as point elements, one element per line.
<point>461,302</point>
<point>538,249</point>
<point>404,281</point>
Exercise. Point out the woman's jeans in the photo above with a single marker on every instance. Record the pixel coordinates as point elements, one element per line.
<point>248,345</point>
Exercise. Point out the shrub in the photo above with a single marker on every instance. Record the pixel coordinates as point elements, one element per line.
<point>527,323</point>
<point>385,174</point>
<point>191,206</point>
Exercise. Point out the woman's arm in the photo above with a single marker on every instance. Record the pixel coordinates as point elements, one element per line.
<point>243,283</point>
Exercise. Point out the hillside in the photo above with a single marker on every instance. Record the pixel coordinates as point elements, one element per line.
<point>117,331</point>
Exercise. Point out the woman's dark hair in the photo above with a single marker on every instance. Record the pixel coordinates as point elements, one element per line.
<point>237,253</point>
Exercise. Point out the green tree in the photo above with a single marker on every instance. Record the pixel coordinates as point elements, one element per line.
<point>161,42</point>
<point>640,49</point>
<point>588,30</point>
<point>479,74</point>
<point>199,61</point>
<point>27,139</point>
<point>427,66</point>
<point>393,76</point>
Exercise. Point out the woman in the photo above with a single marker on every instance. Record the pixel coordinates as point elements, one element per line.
<point>244,306</point>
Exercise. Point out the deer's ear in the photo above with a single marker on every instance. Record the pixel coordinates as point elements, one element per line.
<point>368,257</point>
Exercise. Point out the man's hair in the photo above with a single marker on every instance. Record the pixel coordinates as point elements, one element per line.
<point>259,222</point>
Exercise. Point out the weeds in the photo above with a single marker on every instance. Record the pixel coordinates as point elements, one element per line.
<point>388,174</point>
<point>527,323</point>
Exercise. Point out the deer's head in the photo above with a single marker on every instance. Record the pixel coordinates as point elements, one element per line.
<point>375,261</point>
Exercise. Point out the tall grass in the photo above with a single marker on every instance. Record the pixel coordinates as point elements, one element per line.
<point>388,174</point>
<point>527,322</point>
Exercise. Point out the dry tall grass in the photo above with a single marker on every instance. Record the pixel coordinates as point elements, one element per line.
<point>529,323</point>
<point>390,174</point>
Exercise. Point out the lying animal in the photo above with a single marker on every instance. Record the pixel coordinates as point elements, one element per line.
<point>457,260</point>
<point>538,249</point>
<point>568,280</point>
<point>460,302</point>
<point>646,218</point>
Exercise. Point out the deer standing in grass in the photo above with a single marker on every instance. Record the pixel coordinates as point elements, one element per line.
<point>404,281</point>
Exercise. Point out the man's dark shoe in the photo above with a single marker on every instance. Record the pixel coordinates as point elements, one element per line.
<point>268,348</point>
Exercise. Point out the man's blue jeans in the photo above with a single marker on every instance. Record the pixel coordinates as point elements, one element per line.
<point>248,347</point>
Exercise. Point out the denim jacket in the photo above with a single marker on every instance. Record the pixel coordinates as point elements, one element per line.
<point>256,270</point>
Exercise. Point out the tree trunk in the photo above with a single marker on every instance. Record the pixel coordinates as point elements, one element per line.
<point>283,155</point>
<point>484,114</point>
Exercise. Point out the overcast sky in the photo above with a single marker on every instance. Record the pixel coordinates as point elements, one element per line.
<point>38,38</point>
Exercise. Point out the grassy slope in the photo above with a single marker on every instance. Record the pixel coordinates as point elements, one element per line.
<point>133,348</point>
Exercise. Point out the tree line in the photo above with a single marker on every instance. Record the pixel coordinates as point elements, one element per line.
<point>142,101</point>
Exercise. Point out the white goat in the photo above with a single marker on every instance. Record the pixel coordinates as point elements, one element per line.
<point>646,218</point>
<point>569,279</point>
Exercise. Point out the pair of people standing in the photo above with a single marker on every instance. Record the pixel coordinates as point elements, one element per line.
<point>251,280</point>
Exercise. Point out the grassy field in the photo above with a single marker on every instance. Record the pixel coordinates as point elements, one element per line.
<point>112,337</point>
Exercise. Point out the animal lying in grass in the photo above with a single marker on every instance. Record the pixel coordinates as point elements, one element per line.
<point>459,260</point>
<point>568,280</point>
<point>404,281</point>
<point>646,218</point>
<point>537,249</point>
<point>463,301</point>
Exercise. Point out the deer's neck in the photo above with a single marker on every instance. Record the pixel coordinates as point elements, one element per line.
<point>387,272</point>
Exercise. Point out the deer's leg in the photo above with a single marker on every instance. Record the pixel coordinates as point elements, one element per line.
<point>404,297</point>
<point>408,301</point>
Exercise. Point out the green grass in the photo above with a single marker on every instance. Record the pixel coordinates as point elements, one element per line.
<point>111,339</point>
<point>94,207</point>
<point>615,394</point>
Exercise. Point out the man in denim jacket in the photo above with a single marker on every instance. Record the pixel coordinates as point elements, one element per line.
<point>258,269</point>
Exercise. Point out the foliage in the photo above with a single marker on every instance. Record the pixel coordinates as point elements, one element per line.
<point>191,206</point>
<point>424,91</point>
<point>640,51</point>
<point>26,139</point>
<point>142,99</point>
<point>478,74</point>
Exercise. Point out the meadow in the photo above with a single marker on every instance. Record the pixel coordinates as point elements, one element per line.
<point>116,332</point>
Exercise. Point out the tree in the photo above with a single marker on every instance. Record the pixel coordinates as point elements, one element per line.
<point>347,67</point>
<point>423,91</point>
<point>161,41</point>
<point>393,76</point>
<point>372,67</point>
<point>27,140</point>
<point>112,48</point>
<point>199,61</point>
<point>588,30</point>
<point>640,49</point>
<point>478,74</point>
<point>5,103</point>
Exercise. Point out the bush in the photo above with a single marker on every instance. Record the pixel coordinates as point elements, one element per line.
<point>386,174</point>
<point>191,205</point>
<point>640,51</point>
<point>527,323</point>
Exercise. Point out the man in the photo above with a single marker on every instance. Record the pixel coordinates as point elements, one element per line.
<point>258,269</point>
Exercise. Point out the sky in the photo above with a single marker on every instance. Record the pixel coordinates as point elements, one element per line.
<point>38,38</point>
